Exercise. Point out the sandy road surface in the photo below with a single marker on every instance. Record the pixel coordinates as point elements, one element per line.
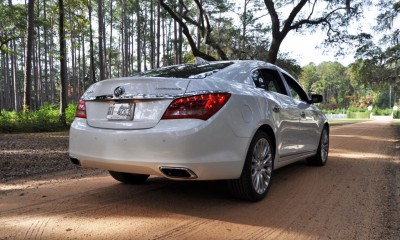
<point>355,196</point>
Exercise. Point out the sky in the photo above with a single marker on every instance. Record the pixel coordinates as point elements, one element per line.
<point>308,48</point>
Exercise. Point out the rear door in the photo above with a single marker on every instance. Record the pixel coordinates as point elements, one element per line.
<point>285,113</point>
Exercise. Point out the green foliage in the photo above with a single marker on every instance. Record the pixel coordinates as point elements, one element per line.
<point>358,115</point>
<point>396,114</point>
<point>381,112</point>
<point>70,113</point>
<point>45,119</point>
<point>13,23</point>
<point>329,79</point>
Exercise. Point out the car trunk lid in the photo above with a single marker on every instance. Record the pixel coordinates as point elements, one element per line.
<point>131,103</point>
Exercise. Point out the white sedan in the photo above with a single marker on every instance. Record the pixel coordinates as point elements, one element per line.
<point>224,120</point>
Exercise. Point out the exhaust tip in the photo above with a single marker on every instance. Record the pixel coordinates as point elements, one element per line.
<point>178,172</point>
<point>75,161</point>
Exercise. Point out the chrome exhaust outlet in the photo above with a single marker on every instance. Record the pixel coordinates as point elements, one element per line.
<point>178,172</point>
<point>75,161</point>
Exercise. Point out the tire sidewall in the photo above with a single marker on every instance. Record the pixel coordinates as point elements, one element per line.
<point>246,173</point>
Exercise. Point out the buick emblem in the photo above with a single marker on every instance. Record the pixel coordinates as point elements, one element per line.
<point>119,91</point>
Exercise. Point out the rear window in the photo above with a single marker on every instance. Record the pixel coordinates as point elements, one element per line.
<point>201,70</point>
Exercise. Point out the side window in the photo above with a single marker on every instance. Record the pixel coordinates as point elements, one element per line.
<point>269,80</point>
<point>273,81</point>
<point>295,89</point>
<point>258,79</point>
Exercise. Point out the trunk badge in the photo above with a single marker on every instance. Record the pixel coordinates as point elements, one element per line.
<point>119,91</point>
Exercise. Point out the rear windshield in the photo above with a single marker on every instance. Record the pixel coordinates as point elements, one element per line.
<point>200,70</point>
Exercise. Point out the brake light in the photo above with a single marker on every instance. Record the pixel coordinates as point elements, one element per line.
<point>81,109</point>
<point>201,106</point>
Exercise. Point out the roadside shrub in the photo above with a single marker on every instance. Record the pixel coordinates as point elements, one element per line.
<point>353,109</point>
<point>396,114</point>
<point>70,113</point>
<point>381,112</point>
<point>9,121</point>
<point>45,119</point>
<point>358,115</point>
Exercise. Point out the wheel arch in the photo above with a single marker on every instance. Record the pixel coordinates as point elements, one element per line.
<point>268,130</point>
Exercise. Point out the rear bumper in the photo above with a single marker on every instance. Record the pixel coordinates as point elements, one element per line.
<point>210,149</point>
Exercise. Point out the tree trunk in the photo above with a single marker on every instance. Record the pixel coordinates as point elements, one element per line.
<point>152,44</point>
<point>84,77</point>
<point>14,74</point>
<point>158,33</point>
<point>3,84</point>
<point>63,64</point>
<point>180,41</point>
<point>139,37</point>
<point>144,45</point>
<point>46,52</point>
<point>111,40</point>
<point>244,29</point>
<point>2,72</point>
<point>185,30</point>
<point>126,41</point>
<point>7,82</point>
<point>36,64</point>
<point>35,104</point>
<point>100,35</point>
<point>28,55</point>
<point>176,51</point>
<point>51,67</point>
<point>79,76</point>
<point>73,66</point>
<point>92,67</point>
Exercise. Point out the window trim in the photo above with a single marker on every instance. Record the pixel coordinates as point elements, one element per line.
<point>280,81</point>
<point>292,83</point>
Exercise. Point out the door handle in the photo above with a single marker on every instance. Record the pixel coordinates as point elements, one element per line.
<point>303,115</point>
<point>276,108</point>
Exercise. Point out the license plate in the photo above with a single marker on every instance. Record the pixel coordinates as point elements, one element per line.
<point>121,111</point>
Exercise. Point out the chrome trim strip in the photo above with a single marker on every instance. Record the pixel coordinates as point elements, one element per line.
<point>110,97</point>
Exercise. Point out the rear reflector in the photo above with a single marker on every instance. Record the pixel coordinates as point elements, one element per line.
<point>81,109</point>
<point>201,106</point>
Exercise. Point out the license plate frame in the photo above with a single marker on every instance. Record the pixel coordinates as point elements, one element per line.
<point>121,112</point>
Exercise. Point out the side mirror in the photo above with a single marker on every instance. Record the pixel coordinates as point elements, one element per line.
<point>316,98</point>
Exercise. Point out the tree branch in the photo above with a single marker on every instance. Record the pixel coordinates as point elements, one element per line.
<point>196,52</point>
<point>274,17</point>
<point>292,16</point>
<point>298,24</point>
<point>5,40</point>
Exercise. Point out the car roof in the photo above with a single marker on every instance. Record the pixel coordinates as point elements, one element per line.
<point>233,70</point>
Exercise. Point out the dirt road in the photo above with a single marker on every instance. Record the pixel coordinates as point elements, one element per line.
<point>355,196</point>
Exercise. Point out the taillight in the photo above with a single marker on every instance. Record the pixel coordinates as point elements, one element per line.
<point>81,109</point>
<point>201,106</point>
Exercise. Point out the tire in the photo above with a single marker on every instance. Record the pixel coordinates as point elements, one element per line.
<point>321,157</point>
<point>255,180</point>
<point>129,178</point>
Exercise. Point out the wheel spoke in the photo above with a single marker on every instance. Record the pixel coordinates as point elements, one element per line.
<point>267,162</point>
<point>266,175</point>
<point>324,145</point>
<point>261,167</point>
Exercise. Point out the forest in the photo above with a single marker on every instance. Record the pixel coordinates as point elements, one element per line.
<point>52,50</point>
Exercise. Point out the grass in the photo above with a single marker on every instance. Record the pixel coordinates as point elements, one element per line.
<point>45,119</point>
<point>345,121</point>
